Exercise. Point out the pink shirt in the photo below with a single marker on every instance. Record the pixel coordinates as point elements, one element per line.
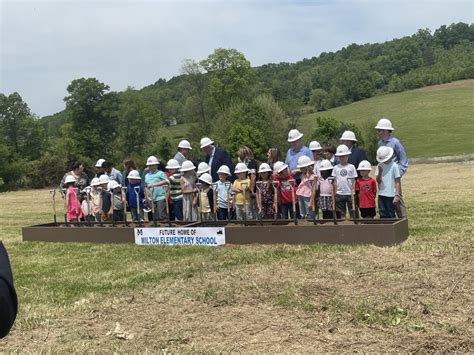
<point>305,186</point>
<point>73,202</point>
<point>325,187</point>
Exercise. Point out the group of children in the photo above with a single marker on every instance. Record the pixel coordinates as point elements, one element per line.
<point>185,193</point>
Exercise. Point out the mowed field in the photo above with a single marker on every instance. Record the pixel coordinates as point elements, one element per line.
<point>415,297</point>
<point>432,121</point>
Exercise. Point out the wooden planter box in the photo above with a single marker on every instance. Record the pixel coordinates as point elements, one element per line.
<point>377,232</point>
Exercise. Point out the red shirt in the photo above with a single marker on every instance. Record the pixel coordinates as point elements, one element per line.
<point>284,191</point>
<point>367,191</point>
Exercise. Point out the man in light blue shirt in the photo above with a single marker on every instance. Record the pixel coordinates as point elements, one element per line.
<point>297,150</point>
<point>384,130</point>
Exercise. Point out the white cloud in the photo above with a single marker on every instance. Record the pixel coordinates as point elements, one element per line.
<point>46,44</point>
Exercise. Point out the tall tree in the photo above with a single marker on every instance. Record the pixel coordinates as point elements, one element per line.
<point>93,116</point>
<point>230,76</point>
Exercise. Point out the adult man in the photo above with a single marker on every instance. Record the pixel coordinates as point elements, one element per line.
<point>297,150</point>
<point>215,157</point>
<point>8,299</point>
<point>348,138</point>
<point>384,130</point>
<point>183,151</point>
<point>111,172</point>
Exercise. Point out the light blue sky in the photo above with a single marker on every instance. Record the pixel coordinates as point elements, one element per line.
<point>44,45</point>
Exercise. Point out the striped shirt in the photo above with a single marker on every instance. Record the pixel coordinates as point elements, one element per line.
<point>175,187</point>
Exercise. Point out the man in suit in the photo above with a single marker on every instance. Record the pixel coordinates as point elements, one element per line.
<point>8,300</point>
<point>216,157</point>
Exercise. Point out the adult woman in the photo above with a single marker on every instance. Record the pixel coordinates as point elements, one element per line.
<point>273,155</point>
<point>77,171</point>
<point>128,165</point>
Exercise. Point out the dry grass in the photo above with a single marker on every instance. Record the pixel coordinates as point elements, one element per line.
<point>415,297</point>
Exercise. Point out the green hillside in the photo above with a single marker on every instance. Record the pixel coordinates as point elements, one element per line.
<point>432,121</point>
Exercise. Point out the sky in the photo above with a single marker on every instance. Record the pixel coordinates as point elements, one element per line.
<point>44,45</point>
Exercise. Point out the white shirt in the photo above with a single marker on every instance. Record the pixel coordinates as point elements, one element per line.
<point>344,174</point>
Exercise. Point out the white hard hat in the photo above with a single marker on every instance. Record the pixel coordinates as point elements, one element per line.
<point>69,179</point>
<point>187,166</point>
<point>112,185</point>
<point>264,168</point>
<point>184,144</point>
<point>104,179</point>
<point>99,163</point>
<point>315,146</point>
<point>384,124</point>
<point>364,165</point>
<point>207,178</point>
<point>95,182</point>
<point>342,150</point>
<point>348,136</point>
<point>304,161</point>
<point>134,174</point>
<point>152,160</point>
<point>173,164</point>
<point>241,168</point>
<point>384,154</point>
<point>206,141</point>
<point>294,135</point>
<point>203,167</point>
<point>279,166</point>
<point>224,169</point>
<point>325,165</point>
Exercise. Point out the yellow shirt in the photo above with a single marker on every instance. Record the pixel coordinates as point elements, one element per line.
<point>240,199</point>
<point>205,206</point>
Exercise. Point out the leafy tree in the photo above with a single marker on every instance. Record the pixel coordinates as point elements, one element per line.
<point>93,114</point>
<point>318,99</point>
<point>230,76</point>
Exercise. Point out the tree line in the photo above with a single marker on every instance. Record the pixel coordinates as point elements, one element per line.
<point>224,97</point>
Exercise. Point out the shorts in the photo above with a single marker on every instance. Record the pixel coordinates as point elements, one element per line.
<point>342,201</point>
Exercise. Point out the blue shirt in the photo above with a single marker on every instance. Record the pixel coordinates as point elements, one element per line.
<point>399,155</point>
<point>132,196</point>
<point>293,155</point>
<point>157,191</point>
<point>222,194</point>
<point>116,175</point>
<point>390,172</point>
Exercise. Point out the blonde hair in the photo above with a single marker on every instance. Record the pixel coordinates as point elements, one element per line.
<point>244,153</point>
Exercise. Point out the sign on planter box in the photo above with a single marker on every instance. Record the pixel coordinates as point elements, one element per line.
<point>212,236</point>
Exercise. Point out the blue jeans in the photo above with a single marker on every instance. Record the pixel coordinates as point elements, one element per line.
<point>135,216</point>
<point>178,209</point>
<point>285,210</point>
<point>222,214</point>
<point>386,207</point>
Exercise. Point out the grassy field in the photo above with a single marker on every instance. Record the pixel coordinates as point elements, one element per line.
<point>415,297</point>
<point>432,121</point>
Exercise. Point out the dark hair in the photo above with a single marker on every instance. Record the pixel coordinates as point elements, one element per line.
<point>330,148</point>
<point>129,164</point>
<point>326,173</point>
<point>106,164</point>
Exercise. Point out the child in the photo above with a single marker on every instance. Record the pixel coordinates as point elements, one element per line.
<point>388,178</point>
<point>105,202</point>
<point>242,187</point>
<point>154,181</point>
<point>117,200</point>
<point>366,189</point>
<point>329,151</point>
<point>265,197</point>
<point>306,188</point>
<point>176,195</point>
<point>317,151</point>
<point>345,175</point>
<point>72,205</point>
<point>326,189</point>
<point>286,190</point>
<point>86,204</point>
<point>95,202</point>
<point>188,188</point>
<point>203,168</point>
<point>134,186</point>
<point>224,198</point>
<point>206,197</point>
